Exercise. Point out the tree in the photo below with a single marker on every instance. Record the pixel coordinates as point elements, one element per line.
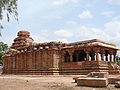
<point>7,8</point>
<point>3,48</point>
<point>118,60</point>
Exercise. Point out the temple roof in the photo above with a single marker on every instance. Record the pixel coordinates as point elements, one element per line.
<point>93,42</point>
<point>24,40</point>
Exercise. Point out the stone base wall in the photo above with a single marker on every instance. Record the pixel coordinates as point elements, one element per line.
<point>48,63</point>
<point>41,61</point>
<point>31,71</point>
<point>85,67</point>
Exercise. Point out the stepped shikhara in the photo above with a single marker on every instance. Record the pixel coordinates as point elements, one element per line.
<point>51,58</point>
<point>23,40</point>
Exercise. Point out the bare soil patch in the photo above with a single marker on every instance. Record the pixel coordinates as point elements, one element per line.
<point>38,82</point>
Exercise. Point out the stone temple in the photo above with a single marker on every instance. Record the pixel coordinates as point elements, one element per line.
<point>57,58</point>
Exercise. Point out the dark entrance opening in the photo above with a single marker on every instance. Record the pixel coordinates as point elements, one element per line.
<point>106,54</point>
<point>81,55</point>
<point>92,55</point>
<point>74,57</point>
<point>67,57</point>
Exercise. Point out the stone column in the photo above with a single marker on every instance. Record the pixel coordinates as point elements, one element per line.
<point>97,55</point>
<point>87,55</point>
<point>92,56</point>
<point>111,56</point>
<point>102,55</point>
<point>71,57</point>
<point>77,56</point>
<point>114,56</point>
<point>106,56</point>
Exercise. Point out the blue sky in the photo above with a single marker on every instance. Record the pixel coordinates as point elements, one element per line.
<point>66,20</point>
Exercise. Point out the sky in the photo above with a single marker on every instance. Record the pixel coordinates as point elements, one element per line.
<point>65,20</point>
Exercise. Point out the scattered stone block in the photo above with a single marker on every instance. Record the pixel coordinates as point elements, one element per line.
<point>95,82</point>
<point>117,85</point>
<point>98,75</point>
<point>75,78</point>
<point>113,80</point>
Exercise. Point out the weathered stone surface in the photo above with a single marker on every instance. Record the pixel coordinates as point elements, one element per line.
<point>75,78</point>
<point>117,84</point>
<point>98,74</point>
<point>113,80</point>
<point>95,82</point>
<point>23,40</point>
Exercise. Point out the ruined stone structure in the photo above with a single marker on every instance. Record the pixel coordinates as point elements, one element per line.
<point>57,58</point>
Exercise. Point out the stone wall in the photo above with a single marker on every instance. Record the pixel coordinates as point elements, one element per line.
<point>36,61</point>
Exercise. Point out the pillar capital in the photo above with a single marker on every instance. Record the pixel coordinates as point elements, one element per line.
<point>96,50</point>
<point>111,52</point>
<point>87,52</point>
<point>102,51</point>
<point>114,52</point>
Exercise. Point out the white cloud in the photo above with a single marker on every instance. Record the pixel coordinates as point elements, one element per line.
<point>110,33</point>
<point>115,2</point>
<point>42,36</point>
<point>113,26</point>
<point>6,39</point>
<point>108,13</point>
<point>85,15</point>
<point>71,22</point>
<point>63,34</point>
<point>63,40</point>
<point>116,18</point>
<point>62,2</point>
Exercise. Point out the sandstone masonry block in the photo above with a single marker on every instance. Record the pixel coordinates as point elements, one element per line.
<point>98,74</point>
<point>95,82</point>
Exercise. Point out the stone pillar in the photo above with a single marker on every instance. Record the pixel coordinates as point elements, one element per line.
<point>33,59</point>
<point>92,56</point>
<point>77,56</point>
<point>87,55</point>
<point>97,55</point>
<point>114,56</point>
<point>71,57</point>
<point>102,55</point>
<point>111,56</point>
<point>106,54</point>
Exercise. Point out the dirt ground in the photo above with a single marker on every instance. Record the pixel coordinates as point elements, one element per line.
<point>37,82</point>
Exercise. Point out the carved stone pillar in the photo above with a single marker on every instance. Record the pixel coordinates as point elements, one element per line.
<point>77,56</point>
<point>106,55</point>
<point>114,56</point>
<point>87,55</point>
<point>92,55</point>
<point>102,55</point>
<point>71,57</point>
<point>111,53</point>
<point>97,55</point>
<point>110,57</point>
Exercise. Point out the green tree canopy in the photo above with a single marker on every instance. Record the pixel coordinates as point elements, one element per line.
<point>8,7</point>
<point>3,48</point>
<point>118,60</point>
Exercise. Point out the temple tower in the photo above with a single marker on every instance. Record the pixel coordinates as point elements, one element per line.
<point>23,40</point>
